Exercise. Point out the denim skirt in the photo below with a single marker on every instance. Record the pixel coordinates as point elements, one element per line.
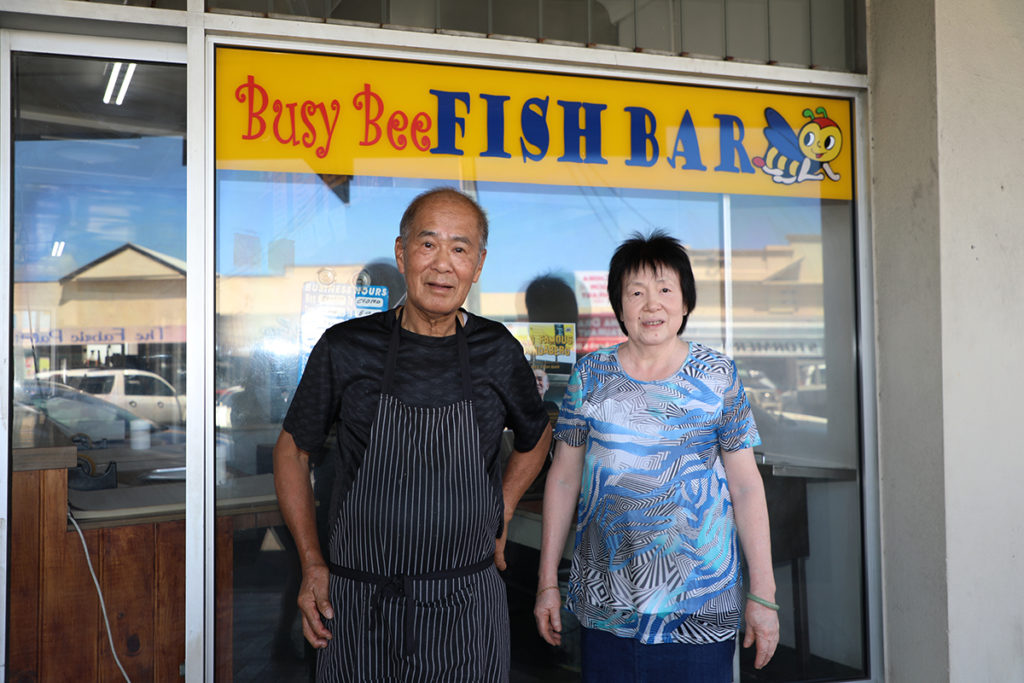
<point>606,658</point>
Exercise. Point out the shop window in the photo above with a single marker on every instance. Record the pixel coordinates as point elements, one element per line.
<point>99,243</point>
<point>299,235</point>
<point>98,295</point>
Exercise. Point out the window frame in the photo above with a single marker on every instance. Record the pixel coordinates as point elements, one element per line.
<point>460,51</point>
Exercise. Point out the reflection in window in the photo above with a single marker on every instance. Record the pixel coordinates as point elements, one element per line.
<point>98,197</point>
<point>99,278</point>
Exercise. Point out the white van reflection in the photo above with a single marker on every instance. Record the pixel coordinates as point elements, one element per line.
<point>144,393</point>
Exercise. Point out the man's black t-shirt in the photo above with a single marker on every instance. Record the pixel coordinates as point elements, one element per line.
<point>342,383</point>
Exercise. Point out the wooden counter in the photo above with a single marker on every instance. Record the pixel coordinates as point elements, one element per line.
<point>56,630</point>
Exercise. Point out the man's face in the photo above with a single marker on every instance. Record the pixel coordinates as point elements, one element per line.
<point>542,381</point>
<point>442,259</point>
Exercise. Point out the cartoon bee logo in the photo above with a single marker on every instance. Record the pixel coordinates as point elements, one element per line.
<point>792,158</point>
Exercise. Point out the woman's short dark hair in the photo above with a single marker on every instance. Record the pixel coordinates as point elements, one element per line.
<point>654,252</point>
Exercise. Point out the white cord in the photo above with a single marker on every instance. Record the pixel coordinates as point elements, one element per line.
<point>103,606</point>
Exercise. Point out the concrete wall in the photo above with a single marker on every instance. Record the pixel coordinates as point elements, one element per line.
<point>948,222</point>
<point>905,217</point>
<point>981,174</point>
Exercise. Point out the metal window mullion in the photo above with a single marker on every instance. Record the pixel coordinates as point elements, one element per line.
<point>727,271</point>
<point>866,335</point>
<point>6,172</point>
<point>199,480</point>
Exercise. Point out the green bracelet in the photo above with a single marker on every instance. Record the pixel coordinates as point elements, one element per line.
<point>762,601</point>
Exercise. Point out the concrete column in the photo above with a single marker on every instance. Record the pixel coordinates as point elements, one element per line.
<point>948,232</point>
<point>980,80</point>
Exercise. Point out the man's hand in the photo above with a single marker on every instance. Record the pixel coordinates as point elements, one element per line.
<point>520,471</point>
<point>548,613</point>
<point>499,548</point>
<point>314,602</point>
<point>762,629</point>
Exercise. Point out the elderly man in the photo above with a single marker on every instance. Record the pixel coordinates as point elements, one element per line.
<point>420,395</point>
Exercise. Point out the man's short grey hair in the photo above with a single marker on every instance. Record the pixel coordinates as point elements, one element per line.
<point>409,217</point>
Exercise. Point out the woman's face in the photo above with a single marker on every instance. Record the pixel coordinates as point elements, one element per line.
<point>652,306</point>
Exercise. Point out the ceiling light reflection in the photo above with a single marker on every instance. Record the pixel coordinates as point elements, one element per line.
<point>124,84</point>
<point>111,82</point>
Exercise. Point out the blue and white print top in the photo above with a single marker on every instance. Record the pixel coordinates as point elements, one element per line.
<point>656,554</point>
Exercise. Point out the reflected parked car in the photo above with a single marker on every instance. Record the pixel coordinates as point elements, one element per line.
<point>142,392</point>
<point>48,413</point>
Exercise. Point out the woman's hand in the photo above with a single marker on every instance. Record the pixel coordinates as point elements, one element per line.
<point>548,613</point>
<point>762,630</point>
<point>561,491</point>
<point>751,514</point>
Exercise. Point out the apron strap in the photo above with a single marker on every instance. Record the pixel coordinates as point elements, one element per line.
<point>463,344</point>
<point>463,349</point>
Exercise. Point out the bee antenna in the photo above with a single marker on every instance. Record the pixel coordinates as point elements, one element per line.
<point>808,113</point>
<point>821,110</point>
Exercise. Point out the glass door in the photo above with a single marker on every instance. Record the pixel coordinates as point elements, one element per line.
<point>97,361</point>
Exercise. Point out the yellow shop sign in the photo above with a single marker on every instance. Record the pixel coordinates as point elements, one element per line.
<point>346,116</point>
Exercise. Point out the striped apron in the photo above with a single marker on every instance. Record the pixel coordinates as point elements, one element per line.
<point>415,592</point>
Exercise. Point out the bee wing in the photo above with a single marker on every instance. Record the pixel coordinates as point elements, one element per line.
<point>780,135</point>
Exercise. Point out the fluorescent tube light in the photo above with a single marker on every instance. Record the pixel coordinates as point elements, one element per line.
<point>111,82</point>
<point>124,83</point>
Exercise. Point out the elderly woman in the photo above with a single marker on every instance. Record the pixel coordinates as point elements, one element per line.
<point>655,451</point>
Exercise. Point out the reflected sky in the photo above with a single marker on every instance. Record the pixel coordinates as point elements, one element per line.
<point>95,195</point>
<point>533,229</point>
